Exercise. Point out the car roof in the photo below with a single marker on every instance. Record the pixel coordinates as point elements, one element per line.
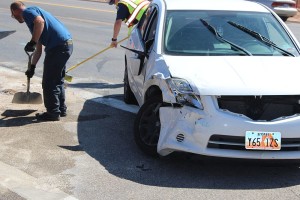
<point>230,5</point>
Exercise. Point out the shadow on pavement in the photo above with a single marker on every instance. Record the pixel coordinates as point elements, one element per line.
<point>106,134</point>
<point>95,85</point>
<point>4,34</point>
<point>11,118</point>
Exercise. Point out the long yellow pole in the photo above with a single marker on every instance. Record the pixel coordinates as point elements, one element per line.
<point>69,78</point>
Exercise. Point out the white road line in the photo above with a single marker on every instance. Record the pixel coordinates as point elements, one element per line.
<point>106,101</point>
<point>27,186</point>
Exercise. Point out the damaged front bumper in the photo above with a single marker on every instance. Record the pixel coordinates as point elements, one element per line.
<point>193,130</point>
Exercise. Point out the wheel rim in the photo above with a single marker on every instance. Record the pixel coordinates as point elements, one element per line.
<point>149,126</point>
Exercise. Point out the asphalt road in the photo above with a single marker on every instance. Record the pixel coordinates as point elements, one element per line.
<point>90,24</point>
<point>98,158</point>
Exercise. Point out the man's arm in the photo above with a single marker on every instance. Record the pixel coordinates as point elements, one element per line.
<point>122,14</point>
<point>38,28</point>
<point>37,54</point>
<point>117,27</point>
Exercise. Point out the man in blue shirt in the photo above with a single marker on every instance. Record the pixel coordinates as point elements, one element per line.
<point>47,31</point>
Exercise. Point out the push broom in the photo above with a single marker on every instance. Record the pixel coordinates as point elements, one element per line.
<point>69,78</point>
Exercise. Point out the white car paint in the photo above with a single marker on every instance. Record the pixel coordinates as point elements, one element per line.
<point>227,75</point>
<point>198,126</point>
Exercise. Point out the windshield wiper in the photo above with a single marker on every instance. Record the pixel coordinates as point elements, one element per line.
<point>220,38</point>
<point>260,37</point>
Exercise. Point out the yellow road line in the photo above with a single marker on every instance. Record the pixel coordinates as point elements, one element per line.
<point>86,20</point>
<point>8,14</point>
<point>70,18</point>
<point>67,6</point>
<point>6,9</point>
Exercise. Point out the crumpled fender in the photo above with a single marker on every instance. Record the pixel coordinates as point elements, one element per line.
<point>159,80</point>
<point>179,122</point>
<point>157,75</point>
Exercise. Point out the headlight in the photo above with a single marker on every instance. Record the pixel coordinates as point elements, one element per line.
<point>180,85</point>
<point>183,93</point>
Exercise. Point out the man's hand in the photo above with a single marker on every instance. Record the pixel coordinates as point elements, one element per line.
<point>30,72</point>
<point>114,44</point>
<point>30,46</point>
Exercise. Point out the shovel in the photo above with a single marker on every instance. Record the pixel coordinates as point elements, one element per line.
<point>28,97</point>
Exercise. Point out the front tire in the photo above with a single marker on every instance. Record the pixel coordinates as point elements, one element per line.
<point>147,126</point>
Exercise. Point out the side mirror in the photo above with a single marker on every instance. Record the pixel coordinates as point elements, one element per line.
<point>140,53</point>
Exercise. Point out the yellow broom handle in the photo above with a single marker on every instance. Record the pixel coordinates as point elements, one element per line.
<point>89,58</point>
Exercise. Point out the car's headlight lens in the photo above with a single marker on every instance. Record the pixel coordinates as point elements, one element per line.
<point>180,85</point>
<point>183,93</point>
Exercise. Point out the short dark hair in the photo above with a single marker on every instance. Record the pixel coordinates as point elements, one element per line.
<point>16,5</point>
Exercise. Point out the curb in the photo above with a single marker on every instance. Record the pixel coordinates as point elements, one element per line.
<point>15,81</point>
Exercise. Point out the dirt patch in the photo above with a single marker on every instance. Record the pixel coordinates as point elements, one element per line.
<point>8,92</point>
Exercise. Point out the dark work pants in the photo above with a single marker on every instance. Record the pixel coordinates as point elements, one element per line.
<point>53,78</point>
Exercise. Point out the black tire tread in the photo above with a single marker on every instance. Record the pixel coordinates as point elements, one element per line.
<point>149,150</point>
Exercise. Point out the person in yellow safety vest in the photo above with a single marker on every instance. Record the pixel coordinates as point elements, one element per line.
<point>129,11</point>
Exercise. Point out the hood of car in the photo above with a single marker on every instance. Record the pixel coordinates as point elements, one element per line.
<point>238,75</point>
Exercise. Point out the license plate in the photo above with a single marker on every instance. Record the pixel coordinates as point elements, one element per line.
<point>263,140</point>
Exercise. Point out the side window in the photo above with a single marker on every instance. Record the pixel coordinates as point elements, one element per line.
<point>147,25</point>
<point>151,29</point>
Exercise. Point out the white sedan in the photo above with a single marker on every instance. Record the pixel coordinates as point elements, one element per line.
<point>217,78</point>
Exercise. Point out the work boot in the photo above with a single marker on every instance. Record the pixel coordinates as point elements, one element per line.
<point>47,117</point>
<point>63,114</point>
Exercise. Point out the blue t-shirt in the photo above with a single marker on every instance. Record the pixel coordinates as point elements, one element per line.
<point>54,33</point>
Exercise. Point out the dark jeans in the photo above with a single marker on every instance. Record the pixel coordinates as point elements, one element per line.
<point>53,78</point>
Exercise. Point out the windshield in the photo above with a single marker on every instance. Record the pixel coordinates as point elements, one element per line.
<point>186,34</point>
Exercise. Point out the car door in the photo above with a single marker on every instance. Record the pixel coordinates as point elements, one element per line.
<point>140,37</point>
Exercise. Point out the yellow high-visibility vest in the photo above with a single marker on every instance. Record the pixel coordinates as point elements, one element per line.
<point>136,9</point>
